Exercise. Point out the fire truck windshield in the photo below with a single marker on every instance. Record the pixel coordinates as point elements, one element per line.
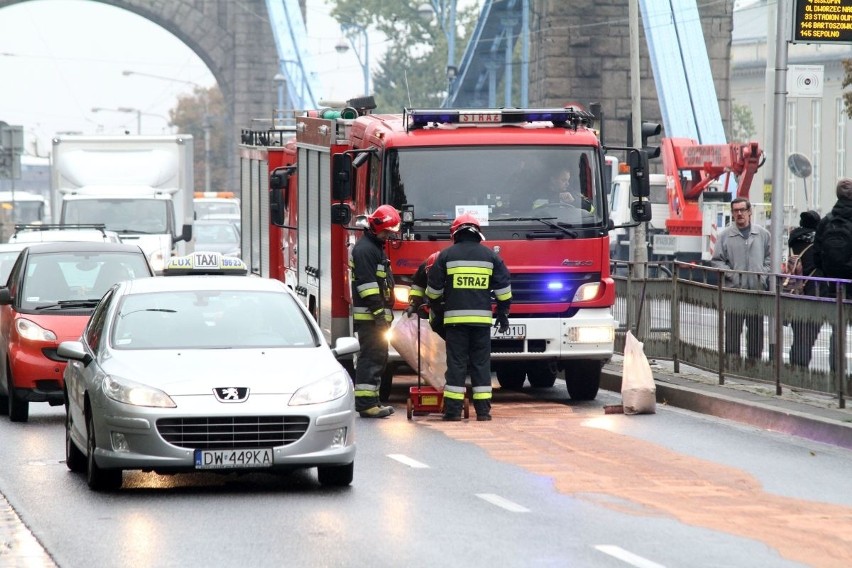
<point>514,183</point>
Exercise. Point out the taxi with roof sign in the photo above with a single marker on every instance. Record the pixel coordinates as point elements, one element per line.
<point>203,262</point>
<point>158,380</point>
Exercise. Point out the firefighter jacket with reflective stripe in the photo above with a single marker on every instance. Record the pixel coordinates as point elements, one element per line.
<point>418,286</point>
<point>464,275</point>
<point>372,281</point>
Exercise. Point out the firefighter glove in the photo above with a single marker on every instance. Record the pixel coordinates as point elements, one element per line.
<point>502,323</point>
<point>409,311</point>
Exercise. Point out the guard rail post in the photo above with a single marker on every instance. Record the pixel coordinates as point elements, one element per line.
<point>675,320</point>
<point>720,330</point>
<point>840,346</point>
<point>777,356</point>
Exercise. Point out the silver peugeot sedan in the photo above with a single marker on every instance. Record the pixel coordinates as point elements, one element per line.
<point>206,373</point>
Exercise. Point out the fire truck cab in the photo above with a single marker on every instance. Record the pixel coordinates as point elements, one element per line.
<point>501,165</point>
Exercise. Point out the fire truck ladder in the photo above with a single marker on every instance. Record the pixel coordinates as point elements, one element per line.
<point>682,72</point>
<point>294,61</point>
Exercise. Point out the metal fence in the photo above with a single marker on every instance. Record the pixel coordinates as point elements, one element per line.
<point>684,313</point>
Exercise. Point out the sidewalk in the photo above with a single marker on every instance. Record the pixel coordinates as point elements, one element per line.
<point>808,415</point>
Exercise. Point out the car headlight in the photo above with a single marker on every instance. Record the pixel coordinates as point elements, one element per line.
<point>588,291</point>
<point>128,392</point>
<point>329,388</point>
<point>158,262</point>
<point>33,331</point>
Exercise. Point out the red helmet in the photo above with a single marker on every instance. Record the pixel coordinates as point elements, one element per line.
<point>384,218</point>
<point>466,221</point>
<point>430,260</point>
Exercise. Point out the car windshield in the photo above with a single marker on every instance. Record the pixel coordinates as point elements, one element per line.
<point>562,183</point>
<point>216,209</point>
<point>25,211</point>
<point>146,216</point>
<point>210,319</point>
<point>67,276</point>
<point>220,234</point>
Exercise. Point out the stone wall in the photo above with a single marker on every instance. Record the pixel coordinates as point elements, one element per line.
<point>582,54</point>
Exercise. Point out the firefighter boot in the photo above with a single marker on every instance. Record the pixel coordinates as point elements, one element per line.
<point>483,410</point>
<point>376,411</point>
<point>452,410</point>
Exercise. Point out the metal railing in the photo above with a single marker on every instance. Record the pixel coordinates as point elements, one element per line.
<point>686,314</point>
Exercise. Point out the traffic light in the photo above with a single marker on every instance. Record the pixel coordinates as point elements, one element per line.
<point>637,160</point>
<point>650,129</point>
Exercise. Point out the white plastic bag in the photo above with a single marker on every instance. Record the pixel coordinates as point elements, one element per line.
<point>433,349</point>
<point>638,390</point>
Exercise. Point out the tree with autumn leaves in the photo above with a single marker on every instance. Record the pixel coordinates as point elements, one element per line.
<point>188,117</point>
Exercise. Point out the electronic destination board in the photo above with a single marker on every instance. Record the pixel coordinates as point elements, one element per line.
<point>822,21</point>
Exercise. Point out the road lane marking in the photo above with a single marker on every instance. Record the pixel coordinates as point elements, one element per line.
<point>407,460</point>
<point>501,502</point>
<point>629,557</point>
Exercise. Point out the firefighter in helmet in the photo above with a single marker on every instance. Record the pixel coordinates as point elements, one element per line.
<point>372,299</point>
<point>417,300</point>
<point>463,278</point>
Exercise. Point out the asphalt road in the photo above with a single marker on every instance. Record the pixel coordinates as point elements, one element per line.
<point>547,483</point>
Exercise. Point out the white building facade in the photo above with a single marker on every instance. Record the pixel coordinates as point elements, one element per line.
<point>817,126</point>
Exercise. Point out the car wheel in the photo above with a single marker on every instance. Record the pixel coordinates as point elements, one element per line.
<point>583,379</point>
<point>74,458</point>
<point>541,374</point>
<point>510,375</point>
<point>97,478</point>
<point>336,475</point>
<point>18,409</point>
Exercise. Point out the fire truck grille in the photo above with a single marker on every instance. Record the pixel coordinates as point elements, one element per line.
<point>229,432</point>
<point>547,288</point>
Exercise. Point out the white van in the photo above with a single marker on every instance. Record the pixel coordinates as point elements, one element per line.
<point>620,198</point>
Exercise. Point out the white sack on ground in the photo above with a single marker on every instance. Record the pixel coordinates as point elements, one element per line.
<point>433,349</point>
<point>638,390</point>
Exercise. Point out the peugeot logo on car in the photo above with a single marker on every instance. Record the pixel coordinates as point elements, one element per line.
<point>231,394</point>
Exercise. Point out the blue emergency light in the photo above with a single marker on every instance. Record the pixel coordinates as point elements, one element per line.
<point>415,119</point>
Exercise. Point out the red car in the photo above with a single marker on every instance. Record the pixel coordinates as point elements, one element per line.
<point>50,294</point>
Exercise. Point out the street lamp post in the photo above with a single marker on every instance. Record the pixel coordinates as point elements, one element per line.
<point>281,82</point>
<point>349,31</point>
<point>446,13</point>
<point>207,125</point>
<point>138,117</point>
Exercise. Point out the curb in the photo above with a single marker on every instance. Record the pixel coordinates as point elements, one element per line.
<point>761,411</point>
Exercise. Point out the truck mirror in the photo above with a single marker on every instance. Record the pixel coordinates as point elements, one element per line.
<point>341,188</point>
<point>341,214</point>
<point>640,186</point>
<point>640,211</point>
<point>186,234</point>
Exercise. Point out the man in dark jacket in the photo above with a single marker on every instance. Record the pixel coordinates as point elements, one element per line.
<point>833,246</point>
<point>801,245</point>
<point>372,300</point>
<point>463,277</point>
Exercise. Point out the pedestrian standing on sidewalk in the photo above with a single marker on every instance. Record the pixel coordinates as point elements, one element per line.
<point>463,278</point>
<point>833,248</point>
<point>801,243</point>
<point>742,250</point>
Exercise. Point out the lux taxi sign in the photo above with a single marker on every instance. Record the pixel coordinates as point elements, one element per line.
<point>206,263</point>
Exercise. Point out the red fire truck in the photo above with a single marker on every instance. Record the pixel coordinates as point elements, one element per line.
<point>306,193</point>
